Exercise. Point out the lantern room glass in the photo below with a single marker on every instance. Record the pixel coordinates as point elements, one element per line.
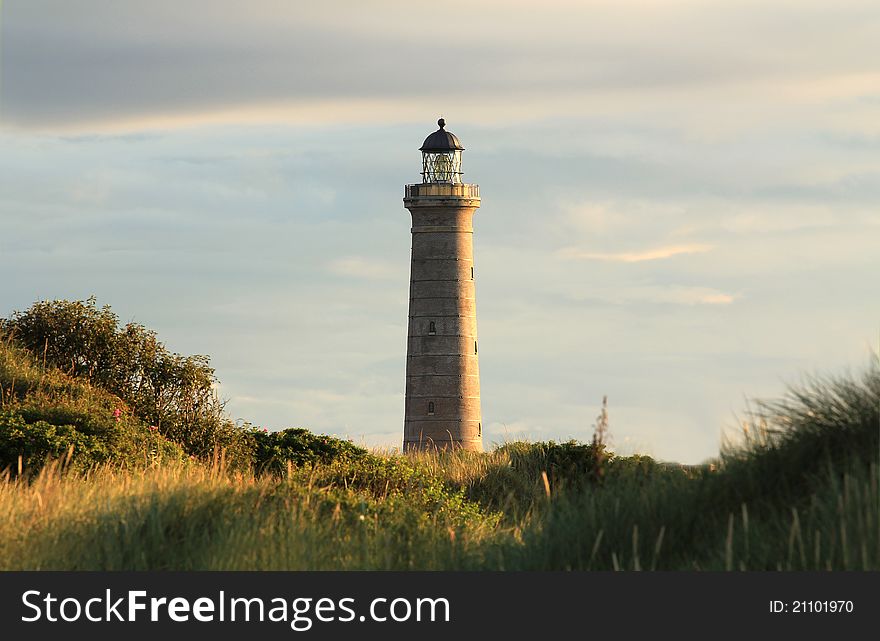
<point>441,166</point>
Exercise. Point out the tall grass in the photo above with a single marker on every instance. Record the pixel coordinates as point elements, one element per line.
<point>803,492</point>
<point>193,517</point>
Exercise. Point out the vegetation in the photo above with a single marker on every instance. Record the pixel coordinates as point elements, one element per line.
<point>172,393</point>
<point>111,465</point>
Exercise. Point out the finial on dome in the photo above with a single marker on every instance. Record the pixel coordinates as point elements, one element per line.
<point>440,140</point>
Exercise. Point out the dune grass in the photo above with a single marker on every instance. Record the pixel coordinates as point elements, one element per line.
<point>804,495</point>
<point>802,492</point>
<point>193,517</point>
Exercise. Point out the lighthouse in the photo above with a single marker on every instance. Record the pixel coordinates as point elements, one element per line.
<point>442,409</point>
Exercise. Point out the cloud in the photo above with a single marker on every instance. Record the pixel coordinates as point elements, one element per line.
<point>658,253</point>
<point>714,298</point>
<point>165,62</point>
<point>663,295</point>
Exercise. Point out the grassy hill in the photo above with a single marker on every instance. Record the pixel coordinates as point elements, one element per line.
<point>46,413</point>
<point>120,492</point>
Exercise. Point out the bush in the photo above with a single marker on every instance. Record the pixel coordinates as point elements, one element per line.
<point>25,434</point>
<point>74,336</point>
<point>570,463</point>
<point>172,392</point>
<point>39,440</point>
<point>272,450</point>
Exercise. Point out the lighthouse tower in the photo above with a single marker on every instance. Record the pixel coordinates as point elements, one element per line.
<point>442,373</point>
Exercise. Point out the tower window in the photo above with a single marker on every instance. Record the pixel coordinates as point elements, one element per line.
<point>480,430</point>
<point>475,347</point>
<point>472,273</point>
<point>430,408</point>
<point>432,328</point>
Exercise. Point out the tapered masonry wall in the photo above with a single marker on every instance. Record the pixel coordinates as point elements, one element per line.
<point>442,372</point>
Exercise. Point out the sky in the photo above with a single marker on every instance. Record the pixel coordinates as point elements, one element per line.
<point>680,200</point>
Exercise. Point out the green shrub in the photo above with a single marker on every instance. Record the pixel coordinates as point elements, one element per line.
<point>272,450</point>
<point>566,464</point>
<point>74,336</point>
<point>39,440</point>
<point>172,392</point>
<point>128,443</point>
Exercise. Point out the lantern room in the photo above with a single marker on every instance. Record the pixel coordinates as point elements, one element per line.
<point>441,157</point>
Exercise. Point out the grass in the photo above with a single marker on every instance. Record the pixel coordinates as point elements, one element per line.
<point>193,517</point>
<point>802,493</point>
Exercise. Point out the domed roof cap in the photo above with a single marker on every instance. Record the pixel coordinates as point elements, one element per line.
<point>441,140</point>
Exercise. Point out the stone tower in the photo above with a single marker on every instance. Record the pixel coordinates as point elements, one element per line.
<point>442,373</point>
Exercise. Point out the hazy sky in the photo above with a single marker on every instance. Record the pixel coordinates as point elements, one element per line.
<point>681,200</point>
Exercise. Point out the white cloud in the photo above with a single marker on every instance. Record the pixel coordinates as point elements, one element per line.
<point>715,298</point>
<point>664,295</point>
<point>657,253</point>
<point>709,67</point>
